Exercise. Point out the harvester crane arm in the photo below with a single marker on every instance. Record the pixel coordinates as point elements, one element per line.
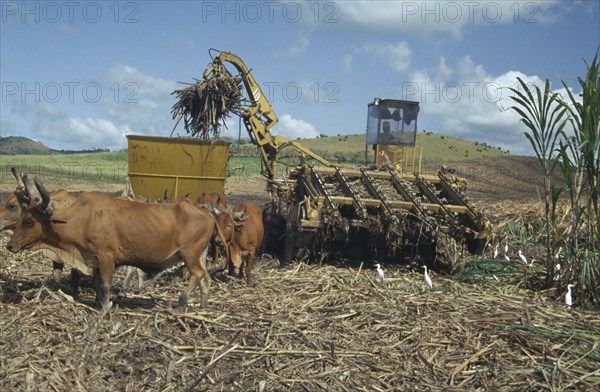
<point>259,116</point>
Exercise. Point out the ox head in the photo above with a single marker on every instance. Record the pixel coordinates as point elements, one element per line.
<point>16,202</point>
<point>226,227</point>
<point>241,215</point>
<point>33,221</point>
<point>211,201</point>
<point>10,211</point>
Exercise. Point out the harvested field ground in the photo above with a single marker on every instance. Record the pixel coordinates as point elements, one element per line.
<point>300,328</point>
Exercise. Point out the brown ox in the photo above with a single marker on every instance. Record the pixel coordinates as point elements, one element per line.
<point>243,231</point>
<point>107,232</point>
<point>10,211</point>
<point>132,272</point>
<point>214,200</point>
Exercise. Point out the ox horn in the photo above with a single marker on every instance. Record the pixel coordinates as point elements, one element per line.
<point>45,205</point>
<point>128,191</point>
<point>22,193</point>
<point>16,175</point>
<point>215,211</point>
<point>27,184</point>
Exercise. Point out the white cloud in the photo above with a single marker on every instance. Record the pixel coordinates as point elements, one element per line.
<point>443,70</point>
<point>95,132</point>
<point>142,103</point>
<point>294,128</point>
<point>131,101</point>
<point>296,51</point>
<point>135,82</point>
<point>396,56</point>
<point>474,105</point>
<point>347,63</point>
<point>443,18</point>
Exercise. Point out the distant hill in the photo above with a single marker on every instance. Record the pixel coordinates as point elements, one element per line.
<point>17,145</point>
<point>437,148</point>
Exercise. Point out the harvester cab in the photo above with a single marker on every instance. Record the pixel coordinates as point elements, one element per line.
<point>392,134</point>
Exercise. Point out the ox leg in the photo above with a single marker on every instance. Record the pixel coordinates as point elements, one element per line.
<point>103,280</point>
<point>97,285</point>
<point>248,267</point>
<point>231,261</point>
<point>215,252</point>
<point>235,263</point>
<point>205,282</point>
<point>75,276</point>
<point>194,282</point>
<point>197,273</point>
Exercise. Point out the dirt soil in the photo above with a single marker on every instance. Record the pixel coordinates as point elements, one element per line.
<point>504,178</point>
<point>300,328</point>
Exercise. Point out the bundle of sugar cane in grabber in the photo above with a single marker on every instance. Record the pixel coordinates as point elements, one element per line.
<point>206,104</point>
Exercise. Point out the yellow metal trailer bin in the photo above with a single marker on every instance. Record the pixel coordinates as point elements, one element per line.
<point>176,165</point>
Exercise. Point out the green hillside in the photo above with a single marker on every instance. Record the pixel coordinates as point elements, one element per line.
<point>436,148</point>
<point>16,145</point>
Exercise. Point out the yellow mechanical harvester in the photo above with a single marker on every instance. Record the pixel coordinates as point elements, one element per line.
<point>388,211</point>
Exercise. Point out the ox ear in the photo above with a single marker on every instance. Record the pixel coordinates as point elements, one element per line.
<point>44,207</point>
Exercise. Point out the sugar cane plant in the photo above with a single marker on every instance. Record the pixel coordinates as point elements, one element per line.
<point>579,161</point>
<point>543,115</point>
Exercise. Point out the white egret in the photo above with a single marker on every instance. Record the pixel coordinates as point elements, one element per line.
<point>380,272</point>
<point>496,251</point>
<point>427,278</point>
<point>557,255</point>
<point>506,248</point>
<point>506,258</point>
<point>522,257</point>
<point>568,298</point>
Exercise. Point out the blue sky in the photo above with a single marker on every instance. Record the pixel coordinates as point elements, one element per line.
<point>84,74</point>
